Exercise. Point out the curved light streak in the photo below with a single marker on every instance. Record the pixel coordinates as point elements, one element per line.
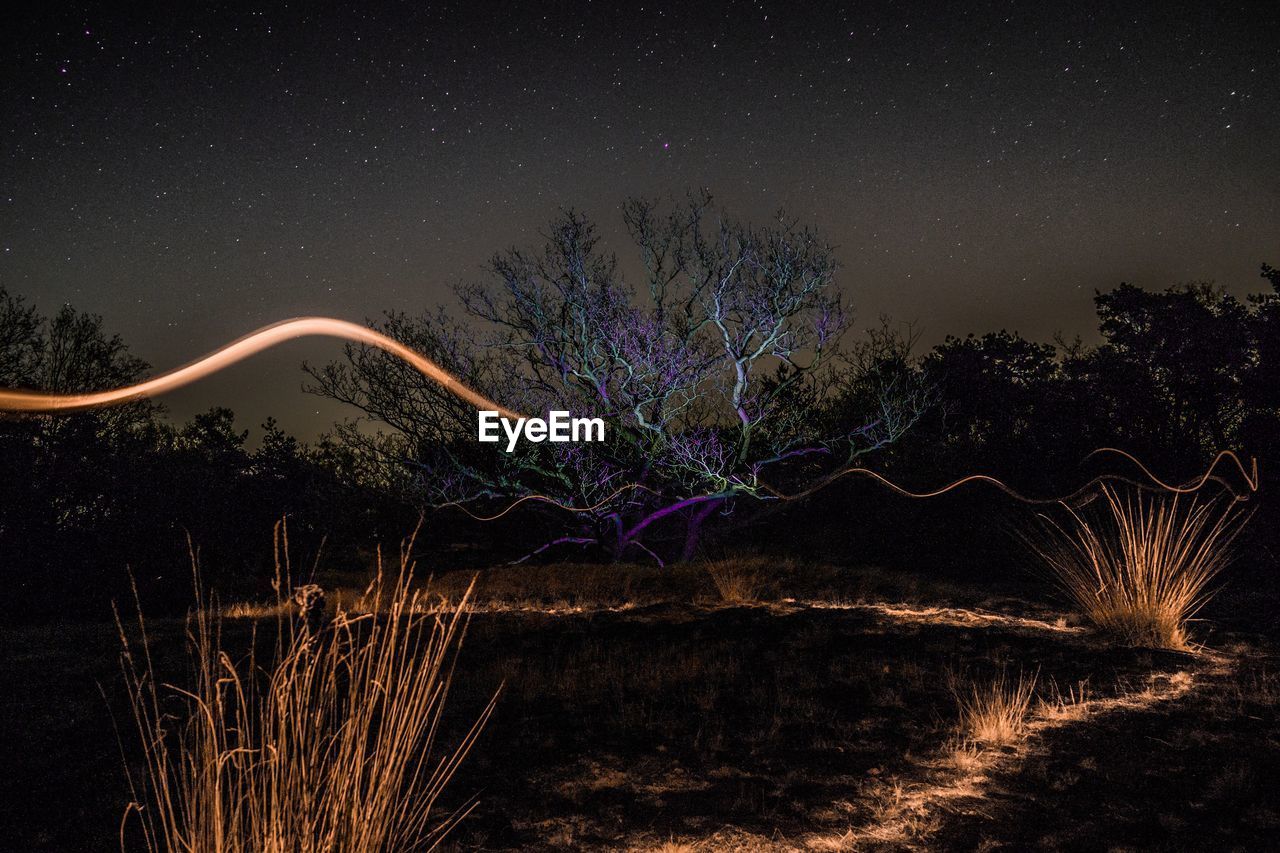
<point>605,501</point>
<point>15,400</point>
<point>1249,474</point>
<point>1189,487</point>
<point>255,342</point>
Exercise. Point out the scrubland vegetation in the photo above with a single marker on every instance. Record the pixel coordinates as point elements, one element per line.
<point>809,706</point>
<point>995,712</point>
<point>750,650</point>
<point>327,742</point>
<point>1141,568</point>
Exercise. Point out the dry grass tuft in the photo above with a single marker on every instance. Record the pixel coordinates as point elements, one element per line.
<point>737,581</point>
<point>1141,568</point>
<point>967,757</point>
<point>1064,707</point>
<point>330,744</point>
<point>995,712</point>
<point>255,610</point>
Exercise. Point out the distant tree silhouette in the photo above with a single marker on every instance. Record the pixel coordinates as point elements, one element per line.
<point>1178,375</point>
<point>1260,426</point>
<point>1172,368</point>
<point>87,494</point>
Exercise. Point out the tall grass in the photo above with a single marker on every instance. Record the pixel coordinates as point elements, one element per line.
<point>994,712</point>
<point>1140,568</point>
<point>329,744</point>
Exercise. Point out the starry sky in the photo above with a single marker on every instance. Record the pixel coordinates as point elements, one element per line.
<point>193,171</point>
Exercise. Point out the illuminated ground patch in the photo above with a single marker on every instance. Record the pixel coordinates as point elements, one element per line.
<point>641,713</point>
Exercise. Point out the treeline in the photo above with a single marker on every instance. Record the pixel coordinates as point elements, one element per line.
<point>87,498</point>
<point>1178,376</point>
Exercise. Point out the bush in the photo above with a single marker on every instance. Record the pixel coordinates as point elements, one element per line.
<point>1141,567</point>
<point>736,580</point>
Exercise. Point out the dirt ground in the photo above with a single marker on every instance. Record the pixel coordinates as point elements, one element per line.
<point>816,711</point>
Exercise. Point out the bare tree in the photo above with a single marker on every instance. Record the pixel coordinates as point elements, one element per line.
<point>729,361</point>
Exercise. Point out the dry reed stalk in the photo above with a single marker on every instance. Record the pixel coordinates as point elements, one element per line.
<point>736,583</point>
<point>330,745</point>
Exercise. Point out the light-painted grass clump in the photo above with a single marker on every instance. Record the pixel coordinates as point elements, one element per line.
<point>736,581</point>
<point>329,743</point>
<point>994,713</point>
<point>1141,567</point>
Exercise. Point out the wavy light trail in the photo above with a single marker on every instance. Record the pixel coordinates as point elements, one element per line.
<point>605,501</point>
<point>298,327</point>
<point>1249,474</point>
<point>238,350</point>
<point>544,499</point>
<point>1190,487</point>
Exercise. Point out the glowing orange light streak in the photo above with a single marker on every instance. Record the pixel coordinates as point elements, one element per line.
<point>255,342</point>
<point>549,500</point>
<point>1250,476</point>
<point>1191,486</point>
<point>1194,485</point>
<point>298,327</point>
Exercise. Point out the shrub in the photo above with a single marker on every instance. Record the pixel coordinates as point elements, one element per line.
<point>735,580</point>
<point>1141,567</point>
<point>994,712</point>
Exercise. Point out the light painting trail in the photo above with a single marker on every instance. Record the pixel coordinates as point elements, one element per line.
<point>1248,473</point>
<point>1190,487</point>
<point>255,342</point>
<point>268,336</point>
<point>603,502</point>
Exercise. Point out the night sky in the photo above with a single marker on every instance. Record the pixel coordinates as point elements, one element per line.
<point>193,173</point>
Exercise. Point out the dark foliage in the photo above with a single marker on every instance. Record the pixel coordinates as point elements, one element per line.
<point>87,498</point>
<point>1177,376</point>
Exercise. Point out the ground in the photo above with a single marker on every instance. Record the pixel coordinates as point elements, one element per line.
<point>815,711</point>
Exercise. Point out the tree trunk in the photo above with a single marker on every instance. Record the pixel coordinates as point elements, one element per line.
<point>693,533</point>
